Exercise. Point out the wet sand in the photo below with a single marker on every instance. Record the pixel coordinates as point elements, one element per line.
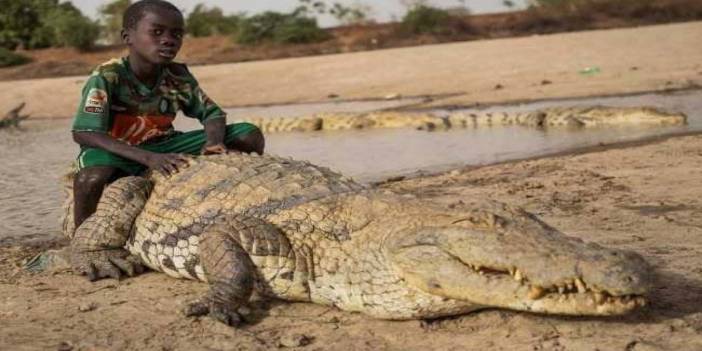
<point>644,198</point>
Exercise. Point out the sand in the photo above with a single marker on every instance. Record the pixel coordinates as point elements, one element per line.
<point>644,198</point>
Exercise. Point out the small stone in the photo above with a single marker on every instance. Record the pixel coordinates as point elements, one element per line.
<point>294,340</point>
<point>65,346</point>
<point>244,311</point>
<point>87,307</point>
<point>332,96</point>
<point>499,87</point>
<point>392,96</point>
<point>546,82</point>
<point>455,173</point>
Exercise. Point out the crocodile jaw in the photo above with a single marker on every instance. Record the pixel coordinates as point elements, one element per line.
<point>522,264</point>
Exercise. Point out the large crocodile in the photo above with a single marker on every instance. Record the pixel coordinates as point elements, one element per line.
<point>295,231</point>
<point>577,116</point>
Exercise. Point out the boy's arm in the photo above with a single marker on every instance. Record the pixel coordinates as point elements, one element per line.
<point>214,134</point>
<point>165,163</point>
<point>211,116</point>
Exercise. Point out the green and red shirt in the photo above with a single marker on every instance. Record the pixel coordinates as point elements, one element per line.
<point>115,102</point>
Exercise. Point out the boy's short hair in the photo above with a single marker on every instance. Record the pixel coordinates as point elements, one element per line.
<point>136,11</point>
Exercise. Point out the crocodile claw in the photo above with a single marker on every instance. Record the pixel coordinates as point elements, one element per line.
<point>111,263</point>
<point>218,311</point>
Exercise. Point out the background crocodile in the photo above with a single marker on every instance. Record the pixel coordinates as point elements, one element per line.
<point>292,230</point>
<point>561,116</point>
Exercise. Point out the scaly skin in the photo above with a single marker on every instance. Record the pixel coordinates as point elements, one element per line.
<point>295,231</point>
<point>579,117</point>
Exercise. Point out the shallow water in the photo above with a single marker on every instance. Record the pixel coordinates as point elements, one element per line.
<point>372,155</point>
<point>32,161</point>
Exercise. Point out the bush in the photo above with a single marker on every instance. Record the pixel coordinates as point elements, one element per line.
<point>422,19</point>
<point>73,29</point>
<point>10,58</point>
<point>34,24</point>
<point>204,22</point>
<point>280,28</point>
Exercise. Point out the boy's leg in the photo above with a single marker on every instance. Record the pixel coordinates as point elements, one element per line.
<point>252,141</point>
<point>87,189</point>
<point>244,137</point>
<point>97,169</point>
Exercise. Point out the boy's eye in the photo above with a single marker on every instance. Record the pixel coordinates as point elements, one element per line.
<point>158,31</point>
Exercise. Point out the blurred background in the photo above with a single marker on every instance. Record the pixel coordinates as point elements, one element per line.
<point>235,31</point>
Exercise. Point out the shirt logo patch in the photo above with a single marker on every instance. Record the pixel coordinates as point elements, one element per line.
<point>95,101</point>
<point>163,106</point>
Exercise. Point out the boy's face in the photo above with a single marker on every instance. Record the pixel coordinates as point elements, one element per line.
<point>157,36</point>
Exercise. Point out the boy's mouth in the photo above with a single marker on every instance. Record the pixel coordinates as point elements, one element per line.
<point>167,53</point>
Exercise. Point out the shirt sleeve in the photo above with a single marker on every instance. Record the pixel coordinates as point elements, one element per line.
<point>94,108</point>
<point>200,106</point>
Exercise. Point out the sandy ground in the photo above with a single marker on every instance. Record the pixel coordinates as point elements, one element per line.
<point>630,60</point>
<point>645,198</point>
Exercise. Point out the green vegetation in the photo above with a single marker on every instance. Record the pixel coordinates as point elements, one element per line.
<point>111,18</point>
<point>70,28</point>
<point>346,15</point>
<point>10,58</point>
<point>32,24</point>
<point>204,21</point>
<point>424,19</point>
<point>292,28</point>
<point>558,15</point>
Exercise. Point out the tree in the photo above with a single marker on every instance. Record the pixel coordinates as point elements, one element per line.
<point>42,23</point>
<point>290,28</point>
<point>111,18</point>
<point>71,28</point>
<point>204,21</point>
<point>354,14</point>
<point>18,21</point>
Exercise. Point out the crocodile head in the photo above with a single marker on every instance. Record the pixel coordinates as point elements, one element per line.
<point>505,257</point>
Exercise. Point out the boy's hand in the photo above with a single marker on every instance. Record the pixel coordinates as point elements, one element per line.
<point>214,149</point>
<point>167,164</point>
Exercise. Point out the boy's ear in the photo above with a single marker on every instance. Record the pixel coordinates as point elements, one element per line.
<point>125,36</point>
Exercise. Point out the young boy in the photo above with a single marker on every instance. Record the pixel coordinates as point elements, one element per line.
<point>124,121</point>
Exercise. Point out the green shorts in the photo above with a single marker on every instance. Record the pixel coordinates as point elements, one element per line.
<point>182,143</point>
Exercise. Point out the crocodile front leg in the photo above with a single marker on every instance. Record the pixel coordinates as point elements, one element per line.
<point>97,249</point>
<point>229,271</point>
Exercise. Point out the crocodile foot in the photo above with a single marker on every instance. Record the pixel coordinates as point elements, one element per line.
<point>219,311</point>
<point>109,263</point>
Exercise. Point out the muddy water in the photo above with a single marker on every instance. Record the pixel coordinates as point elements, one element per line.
<point>32,161</point>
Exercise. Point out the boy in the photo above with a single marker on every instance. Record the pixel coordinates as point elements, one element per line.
<point>124,121</point>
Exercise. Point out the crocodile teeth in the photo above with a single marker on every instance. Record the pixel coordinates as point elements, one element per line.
<point>580,285</point>
<point>561,289</point>
<point>518,275</point>
<point>536,292</point>
<point>600,298</point>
